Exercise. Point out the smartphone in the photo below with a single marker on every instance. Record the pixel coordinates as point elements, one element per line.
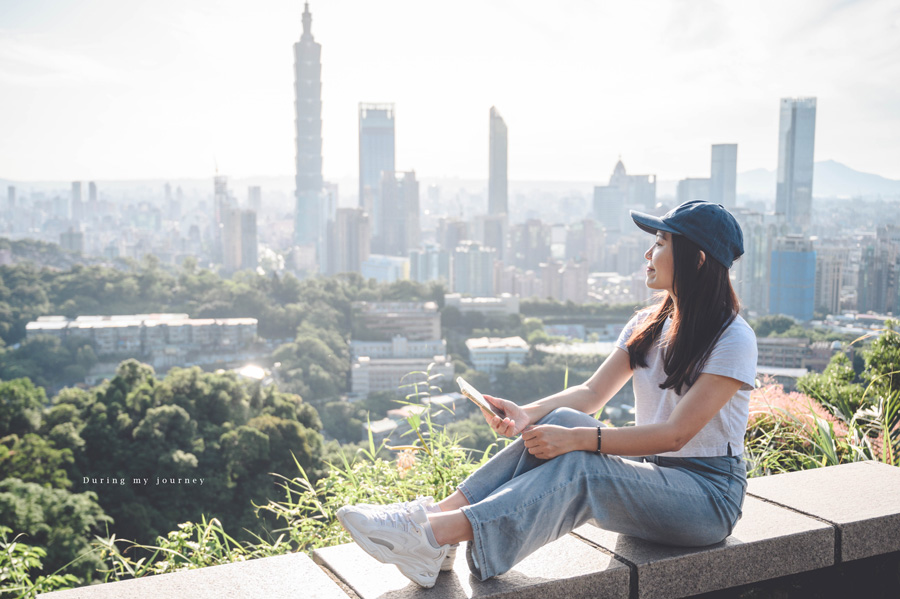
<point>477,398</point>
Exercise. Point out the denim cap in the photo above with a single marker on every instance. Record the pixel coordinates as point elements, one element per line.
<point>708,225</point>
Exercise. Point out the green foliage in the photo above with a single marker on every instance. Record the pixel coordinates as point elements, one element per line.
<point>343,421</point>
<point>433,464</point>
<point>764,326</point>
<point>191,546</point>
<point>21,567</point>
<point>20,407</point>
<point>835,386</point>
<point>55,520</point>
<point>882,360</point>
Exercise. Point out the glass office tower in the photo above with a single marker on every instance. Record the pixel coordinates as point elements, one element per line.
<point>796,141</point>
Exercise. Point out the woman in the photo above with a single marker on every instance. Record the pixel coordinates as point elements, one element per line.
<point>676,477</point>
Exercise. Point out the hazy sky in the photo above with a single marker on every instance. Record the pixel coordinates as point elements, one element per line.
<point>121,89</point>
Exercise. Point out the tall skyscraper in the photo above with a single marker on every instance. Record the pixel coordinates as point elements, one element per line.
<point>76,207</point>
<point>693,188</point>
<point>611,202</point>
<point>254,198</point>
<point>349,239</point>
<point>473,269</point>
<point>400,229</point>
<point>829,275</point>
<point>877,286</point>
<point>308,121</point>
<point>249,253</point>
<point>723,175</point>
<point>231,239</point>
<point>752,272</point>
<point>792,284</point>
<point>376,156</point>
<point>796,142</point>
<point>11,198</point>
<point>498,192</point>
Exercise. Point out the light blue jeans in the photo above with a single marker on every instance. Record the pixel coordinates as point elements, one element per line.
<point>519,503</point>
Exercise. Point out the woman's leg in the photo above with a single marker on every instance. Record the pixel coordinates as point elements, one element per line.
<point>514,460</point>
<point>670,505</point>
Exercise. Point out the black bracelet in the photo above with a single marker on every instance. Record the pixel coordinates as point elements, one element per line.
<point>599,438</point>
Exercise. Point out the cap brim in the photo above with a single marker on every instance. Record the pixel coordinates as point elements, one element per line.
<point>651,224</point>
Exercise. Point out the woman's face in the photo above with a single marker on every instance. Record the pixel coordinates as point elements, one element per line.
<point>661,269</point>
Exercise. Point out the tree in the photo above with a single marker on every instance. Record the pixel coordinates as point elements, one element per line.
<point>61,522</point>
<point>20,407</point>
<point>765,326</point>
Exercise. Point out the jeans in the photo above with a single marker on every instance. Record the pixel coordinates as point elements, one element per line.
<point>519,503</point>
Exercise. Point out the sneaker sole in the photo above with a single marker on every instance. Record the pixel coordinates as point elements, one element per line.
<point>383,554</point>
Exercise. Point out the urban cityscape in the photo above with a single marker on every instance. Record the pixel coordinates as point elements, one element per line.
<point>313,307</point>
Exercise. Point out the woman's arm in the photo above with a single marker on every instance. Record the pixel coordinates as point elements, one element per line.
<point>702,401</point>
<point>588,397</point>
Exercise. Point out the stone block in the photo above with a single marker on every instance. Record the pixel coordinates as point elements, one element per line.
<point>280,577</point>
<point>567,568</point>
<point>862,500</point>
<point>767,542</point>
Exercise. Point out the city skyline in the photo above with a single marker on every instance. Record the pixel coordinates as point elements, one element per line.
<point>102,91</point>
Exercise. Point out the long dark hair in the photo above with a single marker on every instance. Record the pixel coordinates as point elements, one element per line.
<point>706,304</point>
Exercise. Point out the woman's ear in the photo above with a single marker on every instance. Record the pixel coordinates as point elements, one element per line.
<point>702,259</point>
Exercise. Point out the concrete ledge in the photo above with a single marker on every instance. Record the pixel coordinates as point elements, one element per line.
<point>280,577</point>
<point>861,500</point>
<point>565,568</point>
<point>768,542</point>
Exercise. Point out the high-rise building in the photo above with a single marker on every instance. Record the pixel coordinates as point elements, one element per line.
<point>432,263</point>
<point>829,273</point>
<point>11,198</point>
<point>451,232</point>
<point>498,192</point>
<point>72,240</point>
<point>76,207</point>
<point>792,284</point>
<point>529,244</point>
<point>692,189</point>
<point>376,156</point>
<point>796,142</point>
<point>308,121</point>
<point>585,241</point>
<point>249,255</point>
<point>565,281</point>
<point>473,269</point>
<point>222,204</point>
<point>254,198</point>
<point>232,253</point>
<point>490,231</point>
<point>611,201</point>
<point>400,231</point>
<point>751,272</point>
<point>877,286</point>
<point>723,175</point>
<point>92,195</point>
<point>349,236</point>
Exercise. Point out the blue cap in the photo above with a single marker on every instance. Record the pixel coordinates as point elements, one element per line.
<point>708,225</point>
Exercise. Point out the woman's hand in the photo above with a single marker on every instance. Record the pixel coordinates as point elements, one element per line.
<point>546,441</point>
<point>516,419</point>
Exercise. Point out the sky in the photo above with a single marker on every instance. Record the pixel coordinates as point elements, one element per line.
<point>140,89</point>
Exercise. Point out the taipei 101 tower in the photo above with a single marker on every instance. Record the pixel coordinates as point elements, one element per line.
<point>308,122</point>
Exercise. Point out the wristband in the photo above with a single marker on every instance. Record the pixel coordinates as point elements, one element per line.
<point>599,438</point>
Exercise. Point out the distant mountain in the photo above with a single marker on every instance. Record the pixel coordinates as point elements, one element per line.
<point>830,180</point>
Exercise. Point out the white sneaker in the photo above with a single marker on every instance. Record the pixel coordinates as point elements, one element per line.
<point>397,538</point>
<point>427,503</point>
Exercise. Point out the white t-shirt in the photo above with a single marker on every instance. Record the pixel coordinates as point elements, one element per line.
<point>734,355</point>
